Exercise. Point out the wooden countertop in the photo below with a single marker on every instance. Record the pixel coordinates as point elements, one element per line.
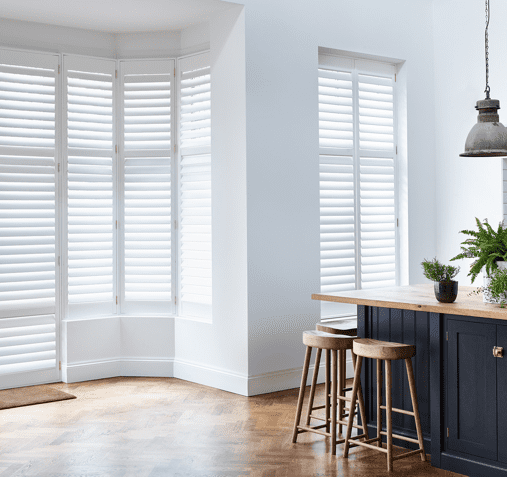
<point>419,298</point>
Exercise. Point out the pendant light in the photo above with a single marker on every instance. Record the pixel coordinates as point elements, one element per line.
<point>488,137</point>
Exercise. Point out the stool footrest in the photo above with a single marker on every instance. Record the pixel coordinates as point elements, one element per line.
<point>317,418</point>
<point>401,411</point>
<point>315,429</point>
<point>359,436</point>
<point>346,390</point>
<point>407,454</point>
<point>318,407</point>
<point>366,444</point>
<point>346,423</point>
<point>403,438</point>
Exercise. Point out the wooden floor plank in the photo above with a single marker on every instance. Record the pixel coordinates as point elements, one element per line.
<point>165,427</point>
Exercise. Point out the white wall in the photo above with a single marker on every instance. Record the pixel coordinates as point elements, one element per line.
<point>282,158</point>
<point>466,187</point>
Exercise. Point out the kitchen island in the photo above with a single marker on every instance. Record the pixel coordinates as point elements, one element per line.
<point>460,372</point>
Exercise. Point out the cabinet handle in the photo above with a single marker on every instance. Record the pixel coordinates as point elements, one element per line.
<point>498,352</point>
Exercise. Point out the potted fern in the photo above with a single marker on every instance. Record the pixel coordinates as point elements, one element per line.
<point>446,289</point>
<point>489,248</point>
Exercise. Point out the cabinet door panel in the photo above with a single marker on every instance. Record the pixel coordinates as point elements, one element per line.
<point>471,398</point>
<point>501,368</point>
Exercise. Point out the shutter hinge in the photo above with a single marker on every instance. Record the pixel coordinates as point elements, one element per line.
<point>116,225</point>
<point>175,224</point>
<point>59,73</point>
<point>174,72</point>
<point>116,299</point>
<point>447,335</point>
<point>58,167</point>
<point>396,149</point>
<point>175,300</point>
<point>397,222</point>
<point>116,73</point>
<point>447,432</point>
<point>116,148</point>
<point>59,365</point>
<point>58,261</point>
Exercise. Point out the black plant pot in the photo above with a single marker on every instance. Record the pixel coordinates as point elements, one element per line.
<point>446,292</point>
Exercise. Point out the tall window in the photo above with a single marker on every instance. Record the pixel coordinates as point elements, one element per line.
<point>122,201</point>
<point>357,150</point>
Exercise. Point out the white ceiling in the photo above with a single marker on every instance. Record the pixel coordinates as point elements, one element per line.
<point>114,15</point>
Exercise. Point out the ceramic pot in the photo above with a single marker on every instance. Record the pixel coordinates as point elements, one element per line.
<point>486,295</point>
<point>446,292</point>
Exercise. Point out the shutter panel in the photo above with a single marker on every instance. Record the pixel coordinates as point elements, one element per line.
<point>195,186</point>
<point>357,176</point>
<point>27,183</point>
<point>27,344</point>
<point>377,180</point>
<point>147,95</point>
<point>89,151</point>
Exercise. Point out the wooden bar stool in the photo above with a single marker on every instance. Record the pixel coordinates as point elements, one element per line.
<point>342,327</point>
<point>334,343</point>
<point>387,351</point>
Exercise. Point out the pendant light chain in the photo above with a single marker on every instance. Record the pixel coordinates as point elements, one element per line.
<point>487,50</point>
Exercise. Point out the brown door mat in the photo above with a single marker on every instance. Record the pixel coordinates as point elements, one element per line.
<point>31,395</point>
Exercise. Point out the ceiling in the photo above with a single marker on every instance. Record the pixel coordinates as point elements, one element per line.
<point>114,15</point>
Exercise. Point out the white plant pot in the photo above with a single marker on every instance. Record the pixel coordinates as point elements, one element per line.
<point>486,296</point>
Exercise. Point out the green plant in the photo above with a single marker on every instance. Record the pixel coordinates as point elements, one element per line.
<point>438,272</point>
<point>498,286</point>
<point>486,246</point>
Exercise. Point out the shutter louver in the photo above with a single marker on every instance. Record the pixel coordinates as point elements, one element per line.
<point>89,114</point>
<point>195,187</point>
<point>27,344</point>
<point>27,183</point>
<point>147,118</point>
<point>357,176</point>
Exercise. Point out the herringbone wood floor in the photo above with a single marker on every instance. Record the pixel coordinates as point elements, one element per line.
<point>165,427</point>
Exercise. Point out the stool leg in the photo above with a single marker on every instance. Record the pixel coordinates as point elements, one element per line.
<point>355,387</point>
<point>362,409</point>
<point>341,385</point>
<point>314,384</point>
<point>389,416</point>
<point>327,385</point>
<point>379,402</point>
<point>301,393</point>
<point>415,405</point>
<point>334,387</point>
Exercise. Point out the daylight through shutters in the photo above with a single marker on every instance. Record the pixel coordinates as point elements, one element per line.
<point>357,175</point>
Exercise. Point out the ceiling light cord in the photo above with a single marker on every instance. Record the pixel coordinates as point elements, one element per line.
<point>486,50</point>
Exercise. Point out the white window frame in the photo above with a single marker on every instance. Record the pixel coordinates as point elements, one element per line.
<point>356,66</point>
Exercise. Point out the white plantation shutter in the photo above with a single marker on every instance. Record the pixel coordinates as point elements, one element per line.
<point>27,183</point>
<point>195,186</point>
<point>357,176</point>
<point>147,95</point>
<point>88,99</point>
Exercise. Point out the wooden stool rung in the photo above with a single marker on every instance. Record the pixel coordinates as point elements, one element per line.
<point>315,429</point>
<point>365,444</point>
<point>318,418</point>
<point>407,454</point>
<point>397,436</point>
<point>346,423</point>
<point>318,407</point>
<point>343,398</point>
<point>341,441</point>
<point>401,411</point>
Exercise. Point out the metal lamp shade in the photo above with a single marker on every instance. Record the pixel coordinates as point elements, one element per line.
<point>488,137</point>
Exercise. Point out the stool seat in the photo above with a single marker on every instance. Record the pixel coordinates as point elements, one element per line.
<point>323,340</point>
<point>342,327</point>
<point>369,348</point>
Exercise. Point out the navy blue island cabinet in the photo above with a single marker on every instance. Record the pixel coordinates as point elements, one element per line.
<point>460,372</point>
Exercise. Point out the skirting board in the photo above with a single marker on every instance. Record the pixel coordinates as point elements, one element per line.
<point>193,372</point>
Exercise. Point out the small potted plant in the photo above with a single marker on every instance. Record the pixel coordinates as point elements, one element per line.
<point>489,248</point>
<point>446,289</point>
<point>497,287</point>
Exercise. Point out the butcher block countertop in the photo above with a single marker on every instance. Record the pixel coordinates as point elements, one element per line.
<point>419,298</point>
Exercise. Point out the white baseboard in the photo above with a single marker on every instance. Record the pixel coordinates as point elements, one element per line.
<point>214,377</point>
<point>193,372</point>
<point>287,379</point>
